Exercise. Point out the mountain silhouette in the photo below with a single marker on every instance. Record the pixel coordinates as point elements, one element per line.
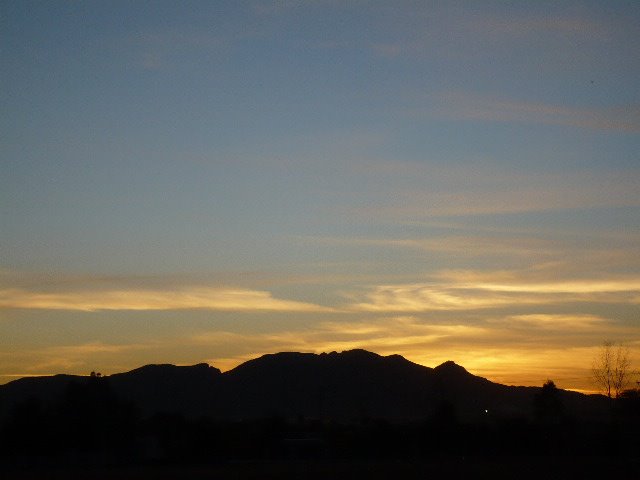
<point>169,388</point>
<point>278,416</point>
<point>350,386</point>
<point>346,386</point>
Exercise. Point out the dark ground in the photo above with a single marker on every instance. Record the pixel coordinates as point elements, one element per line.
<point>522,468</point>
<point>88,432</point>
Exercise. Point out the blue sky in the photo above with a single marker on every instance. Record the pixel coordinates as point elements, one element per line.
<point>210,181</point>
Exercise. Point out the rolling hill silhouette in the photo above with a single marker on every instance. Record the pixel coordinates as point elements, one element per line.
<point>349,387</point>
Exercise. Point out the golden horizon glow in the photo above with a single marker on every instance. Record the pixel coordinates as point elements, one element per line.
<point>515,364</point>
<point>399,327</point>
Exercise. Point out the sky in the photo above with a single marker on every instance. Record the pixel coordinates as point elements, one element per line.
<point>186,182</point>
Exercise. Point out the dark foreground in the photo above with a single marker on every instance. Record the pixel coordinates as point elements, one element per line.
<point>451,467</point>
<point>94,427</point>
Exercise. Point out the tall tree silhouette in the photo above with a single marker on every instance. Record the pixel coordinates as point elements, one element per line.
<point>548,406</point>
<point>612,369</point>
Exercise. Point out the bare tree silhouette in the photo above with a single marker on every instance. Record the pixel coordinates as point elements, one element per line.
<point>611,369</point>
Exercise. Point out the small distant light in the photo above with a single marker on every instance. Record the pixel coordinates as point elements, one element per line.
<point>486,411</point>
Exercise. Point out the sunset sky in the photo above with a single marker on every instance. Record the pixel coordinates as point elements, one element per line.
<point>185,182</point>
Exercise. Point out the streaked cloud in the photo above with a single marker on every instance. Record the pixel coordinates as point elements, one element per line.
<point>521,197</point>
<point>517,281</point>
<point>479,290</point>
<point>206,298</point>
<point>470,106</point>
<point>544,252</point>
<point>271,7</point>
<point>411,191</point>
<point>96,347</point>
<point>555,321</point>
<point>527,25</point>
<point>470,245</point>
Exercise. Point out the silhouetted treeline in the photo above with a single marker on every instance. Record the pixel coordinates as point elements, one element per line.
<point>90,425</point>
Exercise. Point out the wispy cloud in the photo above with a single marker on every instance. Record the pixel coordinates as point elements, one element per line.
<point>468,246</point>
<point>486,290</point>
<point>527,25</point>
<point>417,190</point>
<point>271,7</point>
<point>96,347</point>
<point>155,49</point>
<point>463,32</point>
<point>470,106</point>
<point>555,321</point>
<point>205,298</point>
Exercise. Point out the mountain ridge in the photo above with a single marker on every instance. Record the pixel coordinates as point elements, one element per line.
<point>346,386</point>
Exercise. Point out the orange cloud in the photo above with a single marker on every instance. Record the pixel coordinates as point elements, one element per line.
<point>205,298</point>
<point>461,290</point>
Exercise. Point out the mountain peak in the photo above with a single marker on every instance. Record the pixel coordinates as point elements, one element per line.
<point>451,368</point>
<point>166,369</point>
<point>359,353</point>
